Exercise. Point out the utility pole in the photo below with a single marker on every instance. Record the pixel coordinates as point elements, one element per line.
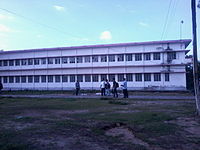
<point>195,60</point>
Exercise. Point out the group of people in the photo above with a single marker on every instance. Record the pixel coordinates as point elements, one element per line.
<point>106,88</point>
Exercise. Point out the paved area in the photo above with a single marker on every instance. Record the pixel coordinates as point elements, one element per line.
<point>178,97</point>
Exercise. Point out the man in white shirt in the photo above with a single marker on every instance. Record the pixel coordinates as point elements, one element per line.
<point>102,86</point>
<point>124,87</point>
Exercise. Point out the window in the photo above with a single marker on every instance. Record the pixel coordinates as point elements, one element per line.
<point>147,77</point>
<point>120,57</point>
<point>5,79</point>
<point>138,77</point>
<point>79,59</point>
<point>17,62</point>
<point>88,78</point>
<point>138,57</point>
<point>36,61</point>
<point>71,60</point>
<point>50,60</point>
<point>23,79</point>
<point>30,79</point>
<point>30,61</point>
<point>120,77</point>
<point>0,62</point>
<point>111,58</point>
<point>5,63</point>
<point>156,56</point>
<point>103,58</point>
<point>36,79</point>
<point>129,77</point>
<point>57,78</point>
<point>95,78</point>
<point>64,78</point>
<point>11,62</point>
<point>147,56</point>
<point>50,78</point>
<point>64,60</point>
<point>111,77</point>
<point>24,62</point>
<point>171,55</point>
<point>94,58</point>
<point>43,79</point>
<point>43,61</point>
<point>157,77</point>
<point>166,76</point>
<point>103,77</point>
<point>17,79</point>
<point>72,78</point>
<point>129,57</point>
<point>57,60</point>
<point>11,79</point>
<point>80,78</point>
<point>87,59</point>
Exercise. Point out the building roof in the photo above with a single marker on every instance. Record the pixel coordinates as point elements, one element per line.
<point>185,41</point>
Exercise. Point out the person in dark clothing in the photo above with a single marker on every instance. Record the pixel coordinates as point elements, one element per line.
<point>115,86</point>
<point>77,85</point>
<point>102,86</point>
<point>1,86</point>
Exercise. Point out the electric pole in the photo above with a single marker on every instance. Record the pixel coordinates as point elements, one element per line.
<point>195,60</point>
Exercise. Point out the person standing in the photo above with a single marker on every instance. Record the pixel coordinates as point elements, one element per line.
<point>102,86</point>
<point>124,87</point>
<point>107,87</point>
<point>115,86</point>
<point>1,86</point>
<point>77,85</point>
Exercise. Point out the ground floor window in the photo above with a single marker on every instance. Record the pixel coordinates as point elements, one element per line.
<point>157,77</point>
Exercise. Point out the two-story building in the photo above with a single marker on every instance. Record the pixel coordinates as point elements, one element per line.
<point>157,65</point>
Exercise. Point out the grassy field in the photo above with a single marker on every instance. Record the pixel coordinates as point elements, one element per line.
<point>98,124</point>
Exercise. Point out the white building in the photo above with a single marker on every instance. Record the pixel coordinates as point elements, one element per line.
<point>157,65</point>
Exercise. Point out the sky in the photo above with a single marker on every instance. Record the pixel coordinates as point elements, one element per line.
<point>27,24</point>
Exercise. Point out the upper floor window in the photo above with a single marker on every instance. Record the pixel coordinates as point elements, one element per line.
<point>147,56</point>
<point>50,60</point>
<point>43,61</point>
<point>11,62</point>
<point>30,61</point>
<point>50,78</point>
<point>24,62</point>
<point>17,62</point>
<point>120,57</point>
<point>36,61</point>
<point>72,60</point>
<point>30,79</point>
<point>17,79</point>
<point>23,79</point>
<point>79,59</point>
<point>5,62</point>
<point>171,55</point>
<point>103,58</point>
<point>138,57</point>
<point>57,60</point>
<point>156,56</point>
<point>64,60</point>
<point>94,58</point>
<point>129,57</point>
<point>87,59</point>
<point>0,62</point>
<point>111,58</point>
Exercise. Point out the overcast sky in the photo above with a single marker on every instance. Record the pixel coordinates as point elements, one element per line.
<point>26,24</point>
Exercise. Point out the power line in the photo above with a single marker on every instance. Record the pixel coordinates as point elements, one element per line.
<point>166,19</point>
<point>36,22</point>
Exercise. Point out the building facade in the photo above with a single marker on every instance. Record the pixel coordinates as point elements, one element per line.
<point>157,65</point>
